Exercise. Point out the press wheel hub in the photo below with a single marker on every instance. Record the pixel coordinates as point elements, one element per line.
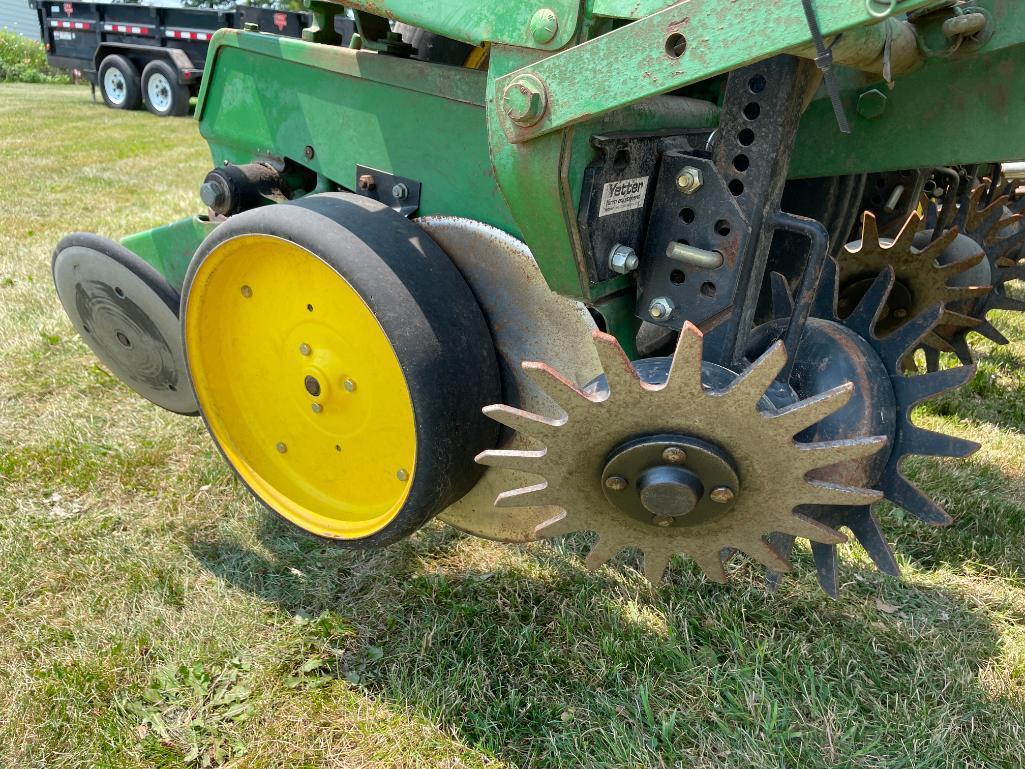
<point>671,480</point>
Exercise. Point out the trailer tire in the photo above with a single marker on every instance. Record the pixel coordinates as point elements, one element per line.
<point>119,83</point>
<point>163,94</point>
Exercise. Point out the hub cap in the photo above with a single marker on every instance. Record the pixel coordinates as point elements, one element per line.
<point>114,85</point>
<point>158,92</point>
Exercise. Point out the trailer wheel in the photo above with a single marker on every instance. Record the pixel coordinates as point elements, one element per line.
<point>119,83</point>
<point>163,94</point>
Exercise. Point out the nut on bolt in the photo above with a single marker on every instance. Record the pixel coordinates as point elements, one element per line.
<point>623,259</point>
<point>872,104</point>
<point>524,100</point>
<point>661,308</point>
<point>689,180</point>
<point>722,494</point>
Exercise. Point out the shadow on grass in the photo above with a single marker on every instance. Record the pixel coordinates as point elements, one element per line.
<point>539,663</point>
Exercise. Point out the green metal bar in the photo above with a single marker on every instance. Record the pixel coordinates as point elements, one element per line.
<point>963,109</point>
<point>267,96</point>
<point>523,23</point>
<point>170,248</point>
<point>684,44</point>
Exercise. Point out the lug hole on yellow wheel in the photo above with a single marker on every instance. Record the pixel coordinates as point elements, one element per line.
<point>312,386</point>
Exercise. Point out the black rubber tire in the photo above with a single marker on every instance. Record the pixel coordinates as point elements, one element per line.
<point>133,84</point>
<point>433,47</point>
<point>432,319</point>
<point>179,105</point>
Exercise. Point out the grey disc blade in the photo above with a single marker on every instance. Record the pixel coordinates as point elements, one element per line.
<point>128,315</point>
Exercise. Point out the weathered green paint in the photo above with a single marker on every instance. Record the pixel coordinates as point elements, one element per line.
<point>542,180</point>
<point>959,110</point>
<point>632,63</point>
<point>267,96</point>
<point>477,21</point>
<point>169,249</point>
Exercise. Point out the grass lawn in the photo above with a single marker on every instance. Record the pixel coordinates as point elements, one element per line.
<point>152,614</point>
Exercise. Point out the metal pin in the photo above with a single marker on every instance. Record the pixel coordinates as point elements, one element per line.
<point>695,257</point>
<point>894,199</point>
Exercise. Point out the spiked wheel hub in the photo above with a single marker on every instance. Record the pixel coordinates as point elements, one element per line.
<point>671,480</point>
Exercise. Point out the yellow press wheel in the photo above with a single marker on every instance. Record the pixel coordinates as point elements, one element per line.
<point>341,364</point>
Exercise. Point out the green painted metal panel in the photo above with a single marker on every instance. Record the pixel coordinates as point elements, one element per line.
<point>170,248</point>
<point>266,96</point>
<point>958,110</point>
<point>477,21</point>
<point>631,62</point>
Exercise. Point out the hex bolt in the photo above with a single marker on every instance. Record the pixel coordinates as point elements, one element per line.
<point>400,191</point>
<point>281,447</point>
<point>544,26</point>
<point>872,104</point>
<point>213,195</point>
<point>524,100</point>
<point>616,483</point>
<point>689,181</point>
<point>366,182</point>
<point>247,291</point>
<point>662,520</point>
<point>623,259</point>
<point>305,349</point>
<point>674,455</point>
<point>402,475</point>
<point>349,385</point>
<point>722,494</point>
<point>661,308</point>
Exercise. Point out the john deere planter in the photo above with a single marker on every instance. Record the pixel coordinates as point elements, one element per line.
<point>659,271</point>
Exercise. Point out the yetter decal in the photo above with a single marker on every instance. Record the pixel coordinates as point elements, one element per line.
<point>624,195</point>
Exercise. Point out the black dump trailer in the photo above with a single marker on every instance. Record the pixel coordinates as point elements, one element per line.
<point>140,54</point>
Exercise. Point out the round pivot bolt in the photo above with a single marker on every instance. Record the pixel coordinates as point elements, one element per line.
<point>661,308</point>
<point>623,259</point>
<point>524,101</point>
<point>544,26</point>
<point>689,181</point>
<point>722,494</point>
<point>669,491</point>
<point>213,195</point>
<point>616,482</point>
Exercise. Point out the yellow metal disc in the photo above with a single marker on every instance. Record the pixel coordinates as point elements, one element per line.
<point>300,386</point>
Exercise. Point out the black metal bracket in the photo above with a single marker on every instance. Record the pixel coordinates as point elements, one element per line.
<point>617,192</point>
<point>397,192</point>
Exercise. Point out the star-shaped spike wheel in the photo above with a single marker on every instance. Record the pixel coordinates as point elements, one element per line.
<point>678,465</point>
<point>908,439</point>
